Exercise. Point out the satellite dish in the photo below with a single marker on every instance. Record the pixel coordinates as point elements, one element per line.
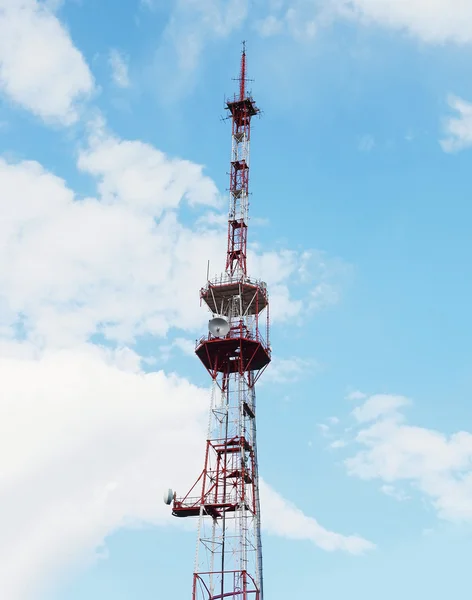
<point>168,496</point>
<point>218,327</point>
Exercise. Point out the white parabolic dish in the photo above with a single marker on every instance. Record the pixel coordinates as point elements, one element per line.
<point>218,327</point>
<point>168,496</point>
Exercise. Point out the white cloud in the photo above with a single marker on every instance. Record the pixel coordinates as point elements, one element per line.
<point>326,430</point>
<point>70,268</point>
<point>308,270</point>
<point>85,438</point>
<point>196,22</point>
<point>277,268</point>
<point>40,68</point>
<point>289,370</point>
<point>84,445</point>
<point>185,346</point>
<point>192,27</point>
<point>434,21</point>
<point>431,21</point>
<point>84,433</point>
<point>393,492</point>
<point>53,5</point>
<point>458,129</point>
<point>119,68</point>
<point>437,465</point>
<point>356,395</point>
<point>377,406</point>
<point>301,25</point>
<point>300,19</point>
<point>139,175</point>
<point>323,295</point>
<point>283,518</point>
<point>269,26</point>
<point>121,265</point>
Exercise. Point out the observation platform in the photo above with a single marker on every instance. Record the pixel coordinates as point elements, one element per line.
<point>239,351</point>
<point>246,107</point>
<point>224,295</point>
<point>216,496</point>
<point>191,508</point>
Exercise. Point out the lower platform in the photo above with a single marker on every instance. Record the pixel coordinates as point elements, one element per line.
<point>193,510</point>
<point>232,355</point>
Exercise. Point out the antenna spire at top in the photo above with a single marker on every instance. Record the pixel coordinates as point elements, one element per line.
<point>242,78</point>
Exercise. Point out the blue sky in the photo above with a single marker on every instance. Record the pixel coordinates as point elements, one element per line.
<point>113,198</point>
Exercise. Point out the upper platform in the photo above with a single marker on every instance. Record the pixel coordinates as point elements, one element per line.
<point>224,295</point>
<point>246,106</point>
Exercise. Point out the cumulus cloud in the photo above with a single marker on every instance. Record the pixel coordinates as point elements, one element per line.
<point>338,444</point>
<point>458,129</point>
<point>355,395</point>
<point>85,437</point>
<point>291,23</point>
<point>269,26</point>
<point>40,68</point>
<point>120,265</point>
<point>141,176</point>
<point>187,347</point>
<point>193,25</point>
<point>195,22</point>
<point>433,21</point>
<point>83,430</point>
<point>377,406</point>
<point>323,277</point>
<point>390,490</point>
<point>289,370</point>
<point>71,268</point>
<point>294,524</point>
<point>399,454</point>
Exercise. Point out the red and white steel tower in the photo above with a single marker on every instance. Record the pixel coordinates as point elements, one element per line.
<point>225,497</point>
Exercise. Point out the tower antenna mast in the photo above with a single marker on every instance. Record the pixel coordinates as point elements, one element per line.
<point>242,79</point>
<point>241,110</point>
<point>235,352</point>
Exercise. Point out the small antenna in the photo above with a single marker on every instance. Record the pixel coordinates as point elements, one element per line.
<point>242,80</point>
<point>242,75</point>
<point>208,270</point>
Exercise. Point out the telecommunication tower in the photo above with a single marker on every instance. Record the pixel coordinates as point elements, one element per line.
<point>236,350</point>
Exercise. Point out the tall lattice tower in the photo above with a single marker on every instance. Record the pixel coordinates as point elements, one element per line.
<point>225,497</point>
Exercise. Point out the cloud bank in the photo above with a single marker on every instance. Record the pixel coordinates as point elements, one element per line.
<point>40,68</point>
<point>405,456</point>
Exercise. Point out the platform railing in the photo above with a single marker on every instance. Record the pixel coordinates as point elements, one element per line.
<point>224,278</point>
<point>240,331</point>
<point>195,502</point>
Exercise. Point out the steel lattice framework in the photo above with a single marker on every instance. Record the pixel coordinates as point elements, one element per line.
<point>225,497</point>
